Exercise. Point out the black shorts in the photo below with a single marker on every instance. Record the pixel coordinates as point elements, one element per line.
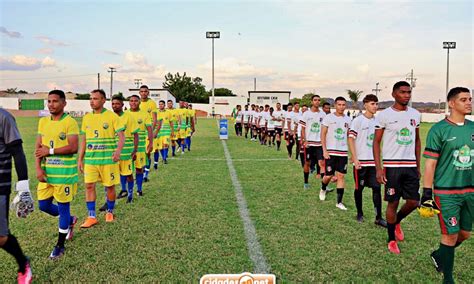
<point>366,176</point>
<point>238,124</point>
<point>278,130</point>
<point>336,164</point>
<point>254,127</point>
<point>4,207</point>
<point>402,183</point>
<point>271,133</point>
<point>246,125</point>
<point>258,129</point>
<point>314,153</point>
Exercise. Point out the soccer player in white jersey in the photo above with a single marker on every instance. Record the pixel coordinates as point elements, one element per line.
<point>256,116</point>
<point>295,121</point>
<point>245,122</point>
<point>335,127</point>
<point>311,136</point>
<point>278,114</point>
<point>261,123</point>
<point>398,128</point>
<point>239,118</point>
<point>271,123</point>
<point>361,140</point>
<point>297,129</point>
<point>289,135</point>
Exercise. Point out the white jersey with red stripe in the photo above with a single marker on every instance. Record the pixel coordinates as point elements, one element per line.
<point>238,116</point>
<point>279,115</point>
<point>311,121</point>
<point>272,122</point>
<point>399,137</point>
<point>336,137</point>
<point>247,114</point>
<point>265,115</point>
<point>288,118</point>
<point>362,131</point>
<point>297,118</point>
<point>256,116</point>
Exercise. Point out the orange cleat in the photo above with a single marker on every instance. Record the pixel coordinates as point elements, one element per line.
<point>90,221</point>
<point>393,247</point>
<point>399,235</point>
<point>109,217</point>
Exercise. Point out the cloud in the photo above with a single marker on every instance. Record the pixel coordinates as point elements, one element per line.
<point>25,63</point>
<point>45,50</point>
<point>111,52</point>
<point>363,68</point>
<point>233,68</point>
<point>50,41</point>
<point>8,33</point>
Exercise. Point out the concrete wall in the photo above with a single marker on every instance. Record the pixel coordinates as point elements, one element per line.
<point>9,103</point>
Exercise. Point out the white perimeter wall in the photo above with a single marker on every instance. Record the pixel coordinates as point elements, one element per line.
<point>9,103</point>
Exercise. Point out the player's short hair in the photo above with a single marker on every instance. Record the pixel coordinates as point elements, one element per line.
<point>340,99</point>
<point>169,101</point>
<point>400,84</point>
<point>326,104</point>
<point>261,107</point>
<point>144,87</point>
<point>239,106</point>
<point>297,103</point>
<point>267,106</point>
<point>190,105</point>
<point>58,93</point>
<point>304,105</point>
<point>253,105</point>
<point>271,108</point>
<point>100,91</point>
<point>454,92</point>
<point>162,101</point>
<point>290,104</point>
<point>118,97</point>
<point>134,96</point>
<point>278,104</point>
<point>370,98</point>
<point>315,96</point>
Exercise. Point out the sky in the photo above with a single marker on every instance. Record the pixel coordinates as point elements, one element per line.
<point>325,47</point>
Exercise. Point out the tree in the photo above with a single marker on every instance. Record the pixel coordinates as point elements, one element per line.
<point>86,96</point>
<point>22,92</point>
<point>306,100</point>
<point>185,88</point>
<point>354,95</point>
<point>11,90</point>
<point>222,92</point>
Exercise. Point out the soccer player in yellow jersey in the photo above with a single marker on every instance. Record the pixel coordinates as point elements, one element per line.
<point>148,105</point>
<point>176,119</point>
<point>99,154</point>
<point>183,113</point>
<point>191,125</point>
<point>56,166</point>
<point>163,131</point>
<point>145,131</point>
<point>130,148</point>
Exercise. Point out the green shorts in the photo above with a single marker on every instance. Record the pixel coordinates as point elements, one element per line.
<point>457,212</point>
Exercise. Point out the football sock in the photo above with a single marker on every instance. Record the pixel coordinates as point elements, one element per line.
<point>318,169</point>
<point>446,254</point>
<point>166,154</point>
<point>400,216</point>
<point>358,201</point>
<point>289,150</point>
<point>123,182</point>
<point>13,247</point>
<point>91,208</point>
<point>47,206</point>
<point>278,145</point>
<point>391,231</point>
<point>340,194</point>
<point>306,177</point>
<point>64,221</point>
<point>377,200</point>
<point>110,206</point>
<point>188,142</point>
<point>179,142</point>
<point>324,185</point>
<point>156,156</point>
<point>130,188</point>
<point>162,152</point>
<point>173,150</point>
<point>139,178</point>
<point>183,145</point>
<point>302,159</point>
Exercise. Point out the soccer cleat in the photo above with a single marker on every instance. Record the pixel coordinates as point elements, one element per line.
<point>182,153</point>
<point>436,261</point>
<point>393,247</point>
<point>165,162</point>
<point>399,235</point>
<point>109,217</point>
<point>129,200</point>
<point>103,208</point>
<point>122,194</point>
<point>322,195</point>
<point>341,206</point>
<point>145,179</point>
<point>56,253</point>
<point>306,186</point>
<point>360,218</point>
<point>70,232</point>
<point>330,189</point>
<point>90,221</point>
<point>381,222</point>
<point>140,193</point>
<point>155,166</point>
<point>27,276</point>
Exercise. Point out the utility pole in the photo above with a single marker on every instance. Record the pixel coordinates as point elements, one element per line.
<point>412,80</point>
<point>98,80</point>
<point>254,84</point>
<point>448,45</point>
<point>138,82</point>
<point>111,70</point>
<point>376,90</point>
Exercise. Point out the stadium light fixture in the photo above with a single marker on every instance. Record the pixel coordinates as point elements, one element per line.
<point>447,45</point>
<point>213,35</point>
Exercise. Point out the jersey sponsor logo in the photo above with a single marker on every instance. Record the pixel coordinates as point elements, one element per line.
<point>463,158</point>
<point>452,221</point>
<point>315,127</point>
<point>62,136</point>
<point>370,140</point>
<point>404,137</point>
<point>140,121</point>
<point>105,125</point>
<point>339,134</point>
<point>391,191</point>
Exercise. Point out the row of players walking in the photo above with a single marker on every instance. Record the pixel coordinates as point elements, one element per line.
<point>116,148</point>
<point>385,150</point>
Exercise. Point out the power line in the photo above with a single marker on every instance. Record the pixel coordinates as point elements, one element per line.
<point>46,78</point>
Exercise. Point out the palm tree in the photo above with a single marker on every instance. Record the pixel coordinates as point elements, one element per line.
<point>354,95</point>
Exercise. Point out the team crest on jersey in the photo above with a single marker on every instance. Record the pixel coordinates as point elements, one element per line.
<point>413,122</point>
<point>346,125</point>
<point>404,137</point>
<point>452,221</point>
<point>62,136</point>
<point>105,125</point>
<point>391,191</point>
<point>89,146</point>
<point>140,121</point>
<point>315,127</point>
<point>339,134</point>
<point>463,158</point>
<point>370,140</point>
<point>320,119</point>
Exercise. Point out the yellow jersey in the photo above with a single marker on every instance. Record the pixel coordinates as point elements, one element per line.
<point>143,121</point>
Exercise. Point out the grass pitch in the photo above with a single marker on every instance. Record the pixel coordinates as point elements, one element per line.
<point>188,224</point>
